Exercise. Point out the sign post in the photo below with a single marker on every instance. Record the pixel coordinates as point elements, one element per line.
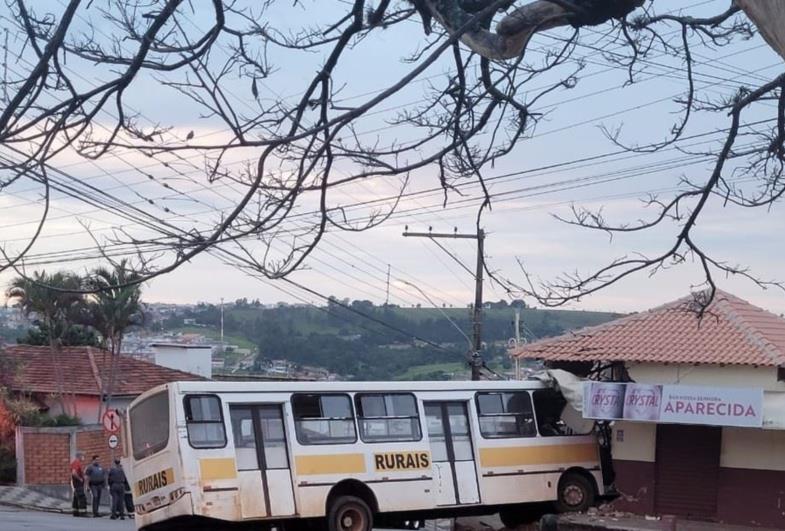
<point>111,421</point>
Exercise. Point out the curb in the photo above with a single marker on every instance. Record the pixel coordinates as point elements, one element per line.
<point>35,507</point>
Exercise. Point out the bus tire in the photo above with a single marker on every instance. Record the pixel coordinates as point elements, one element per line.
<point>514,516</point>
<point>576,493</point>
<point>511,517</point>
<point>349,513</point>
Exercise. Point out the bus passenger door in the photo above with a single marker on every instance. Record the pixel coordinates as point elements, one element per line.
<point>454,470</point>
<point>262,461</point>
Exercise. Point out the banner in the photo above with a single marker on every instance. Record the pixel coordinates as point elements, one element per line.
<point>676,404</point>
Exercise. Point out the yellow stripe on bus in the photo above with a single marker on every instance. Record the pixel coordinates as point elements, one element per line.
<point>311,465</point>
<point>217,468</point>
<point>538,455</point>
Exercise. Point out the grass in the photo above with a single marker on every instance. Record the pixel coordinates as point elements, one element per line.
<point>215,335</point>
<point>421,370</point>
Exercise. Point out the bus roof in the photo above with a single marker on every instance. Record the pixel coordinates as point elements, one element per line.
<point>337,386</point>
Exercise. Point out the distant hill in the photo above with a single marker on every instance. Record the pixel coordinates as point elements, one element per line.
<point>368,342</point>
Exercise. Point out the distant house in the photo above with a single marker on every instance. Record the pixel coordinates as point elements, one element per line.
<point>700,430</point>
<point>28,370</point>
<point>188,357</point>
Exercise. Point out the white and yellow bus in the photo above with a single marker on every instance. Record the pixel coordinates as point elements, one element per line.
<point>357,454</point>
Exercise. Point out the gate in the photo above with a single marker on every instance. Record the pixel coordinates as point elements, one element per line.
<point>687,470</point>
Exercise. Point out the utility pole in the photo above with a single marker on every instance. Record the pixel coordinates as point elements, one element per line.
<point>476,361</point>
<point>517,342</point>
<point>387,298</point>
<point>222,326</point>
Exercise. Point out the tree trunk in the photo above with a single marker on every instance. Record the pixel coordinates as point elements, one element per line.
<point>54,350</point>
<point>102,376</point>
<point>769,17</point>
<point>114,353</point>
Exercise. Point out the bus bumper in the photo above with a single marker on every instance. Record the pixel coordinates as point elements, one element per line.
<point>182,506</point>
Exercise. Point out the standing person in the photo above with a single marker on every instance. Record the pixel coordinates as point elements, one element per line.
<point>96,477</point>
<point>129,499</point>
<point>77,483</point>
<point>117,484</point>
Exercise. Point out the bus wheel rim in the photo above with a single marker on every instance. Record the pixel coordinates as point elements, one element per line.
<point>573,495</point>
<point>352,519</point>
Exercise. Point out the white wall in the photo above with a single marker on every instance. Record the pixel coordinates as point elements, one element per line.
<point>741,447</point>
<point>751,448</point>
<point>717,376</point>
<point>711,375</point>
<point>194,360</point>
<point>634,441</point>
<point>86,406</point>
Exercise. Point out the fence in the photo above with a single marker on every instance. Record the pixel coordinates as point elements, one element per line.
<point>43,455</point>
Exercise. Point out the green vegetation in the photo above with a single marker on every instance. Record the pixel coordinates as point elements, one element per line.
<point>69,310</point>
<point>366,342</point>
<point>433,371</point>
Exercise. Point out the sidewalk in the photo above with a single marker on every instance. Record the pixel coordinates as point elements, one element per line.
<point>30,499</point>
<point>587,522</point>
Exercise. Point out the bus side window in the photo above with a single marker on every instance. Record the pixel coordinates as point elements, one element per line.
<point>323,418</point>
<point>505,415</point>
<point>204,419</point>
<point>387,417</point>
<point>244,438</point>
<point>549,404</point>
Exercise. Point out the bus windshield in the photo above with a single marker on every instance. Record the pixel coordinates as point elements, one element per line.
<point>150,425</point>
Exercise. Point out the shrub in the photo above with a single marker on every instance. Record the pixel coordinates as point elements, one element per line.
<point>7,466</point>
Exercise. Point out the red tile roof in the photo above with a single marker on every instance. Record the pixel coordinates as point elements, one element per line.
<point>31,369</point>
<point>732,332</point>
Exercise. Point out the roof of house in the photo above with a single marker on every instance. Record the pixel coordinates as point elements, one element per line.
<point>730,332</point>
<point>181,345</point>
<point>33,370</point>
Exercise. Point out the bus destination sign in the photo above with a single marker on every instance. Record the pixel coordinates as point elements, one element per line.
<point>401,461</point>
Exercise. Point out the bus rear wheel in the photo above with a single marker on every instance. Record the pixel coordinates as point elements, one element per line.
<point>349,513</point>
<point>514,516</point>
<point>576,494</point>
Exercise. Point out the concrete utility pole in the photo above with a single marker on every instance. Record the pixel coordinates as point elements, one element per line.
<point>387,298</point>
<point>222,326</point>
<point>476,361</point>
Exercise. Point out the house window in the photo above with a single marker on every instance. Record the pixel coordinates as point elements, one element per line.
<point>388,417</point>
<point>505,415</point>
<point>323,418</point>
<point>204,419</point>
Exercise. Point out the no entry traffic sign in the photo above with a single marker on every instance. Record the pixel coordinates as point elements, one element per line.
<point>111,421</point>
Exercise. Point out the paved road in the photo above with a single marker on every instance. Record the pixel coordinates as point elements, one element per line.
<point>12,519</point>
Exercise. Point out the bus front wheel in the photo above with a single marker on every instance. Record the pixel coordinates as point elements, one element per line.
<point>576,494</point>
<point>349,513</point>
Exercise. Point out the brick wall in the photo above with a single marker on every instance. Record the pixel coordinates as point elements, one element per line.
<point>96,442</point>
<point>45,453</point>
<point>46,458</point>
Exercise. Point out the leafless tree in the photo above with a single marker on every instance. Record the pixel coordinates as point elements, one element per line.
<point>481,100</point>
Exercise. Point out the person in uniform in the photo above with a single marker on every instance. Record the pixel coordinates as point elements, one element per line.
<point>129,499</point>
<point>77,483</point>
<point>96,478</point>
<point>117,483</point>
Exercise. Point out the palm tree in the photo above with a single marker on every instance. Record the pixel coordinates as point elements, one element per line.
<point>112,310</point>
<point>54,301</point>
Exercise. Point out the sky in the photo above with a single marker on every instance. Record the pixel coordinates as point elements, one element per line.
<point>532,186</point>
